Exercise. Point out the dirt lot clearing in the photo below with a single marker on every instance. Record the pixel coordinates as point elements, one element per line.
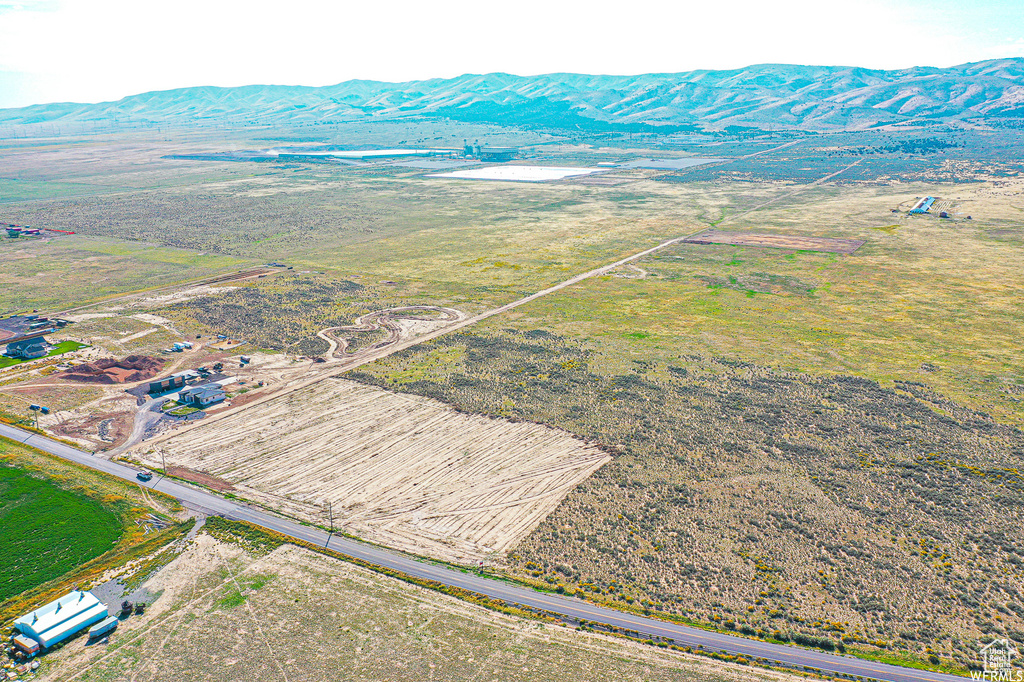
<point>402,470</point>
<point>295,615</point>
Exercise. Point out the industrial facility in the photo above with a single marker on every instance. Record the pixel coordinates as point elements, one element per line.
<point>58,620</point>
<point>489,153</point>
<point>365,155</point>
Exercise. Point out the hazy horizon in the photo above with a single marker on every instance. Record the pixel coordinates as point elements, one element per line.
<point>471,74</point>
<point>66,51</point>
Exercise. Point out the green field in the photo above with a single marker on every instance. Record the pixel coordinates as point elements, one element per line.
<point>46,532</point>
<point>67,271</point>
<point>62,525</point>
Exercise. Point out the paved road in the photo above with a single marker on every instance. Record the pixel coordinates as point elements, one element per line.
<point>565,606</point>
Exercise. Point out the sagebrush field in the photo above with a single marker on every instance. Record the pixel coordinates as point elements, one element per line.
<point>818,442</point>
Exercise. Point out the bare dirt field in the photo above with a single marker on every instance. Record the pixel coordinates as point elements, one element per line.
<point>112,371</point>
<point>294,615</point>
<point>200,478</point>
<point>402,470</point>
<point>777,241</point>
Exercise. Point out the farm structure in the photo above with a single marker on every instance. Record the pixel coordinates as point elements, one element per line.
<point>15,231</point>
<point>61,618</point>
<point>402,470</point>
<point>18,327</point>
<point>103,627</point>
<point>923,205</point>
<point>26,645</point>
<point>777,241</point>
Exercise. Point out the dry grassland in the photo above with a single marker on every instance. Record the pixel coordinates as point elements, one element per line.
<point>835,508</point>
<point>777,241</point>
<point>402,470</point>
<point>226,615</point>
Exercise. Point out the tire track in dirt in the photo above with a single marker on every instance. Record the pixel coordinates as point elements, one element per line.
<point>383,319</point>
<point>404,470</point>
<point>161,620</point>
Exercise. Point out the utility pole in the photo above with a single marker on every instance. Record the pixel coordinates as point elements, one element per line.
<point>37,409</point>
<point>330,516</point>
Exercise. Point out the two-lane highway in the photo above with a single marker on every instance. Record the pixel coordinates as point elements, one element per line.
<point>569,607</point>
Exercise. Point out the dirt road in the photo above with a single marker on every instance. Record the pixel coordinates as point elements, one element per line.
<point>348,364</point>
<point>388,320</point>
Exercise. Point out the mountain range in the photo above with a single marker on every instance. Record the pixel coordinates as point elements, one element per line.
<point>769,96</point>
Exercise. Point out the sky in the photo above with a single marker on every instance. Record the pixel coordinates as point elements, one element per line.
<point>102,50</point>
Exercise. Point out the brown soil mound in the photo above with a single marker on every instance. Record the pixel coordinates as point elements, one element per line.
<point>200,478</point>
<point>111,371</point>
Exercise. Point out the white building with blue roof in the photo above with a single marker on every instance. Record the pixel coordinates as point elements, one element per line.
<point>61,618</point>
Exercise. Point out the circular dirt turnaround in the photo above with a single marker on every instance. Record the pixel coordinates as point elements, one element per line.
<point>389,321</point>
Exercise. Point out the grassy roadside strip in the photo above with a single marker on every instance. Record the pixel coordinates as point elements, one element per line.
<point>25,424</point>
<point>259,542</point>
<point>125,500</point>
<point>840,647</point>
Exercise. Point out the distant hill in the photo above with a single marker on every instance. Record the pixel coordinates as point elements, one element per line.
<point>772,96</point>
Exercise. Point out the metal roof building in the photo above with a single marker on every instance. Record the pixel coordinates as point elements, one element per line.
<point>62,618</point>
<point>923,205</point>
<point>173,381</point>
